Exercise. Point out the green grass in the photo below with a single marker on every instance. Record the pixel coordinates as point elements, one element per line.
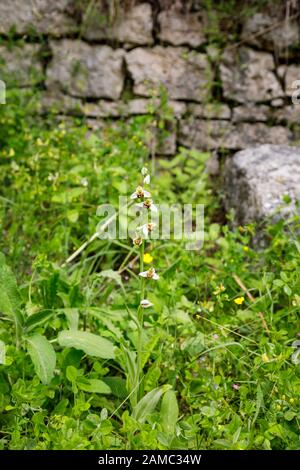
<point>218,373</point>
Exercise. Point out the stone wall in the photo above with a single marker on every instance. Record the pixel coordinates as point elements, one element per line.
<point>227,97</point>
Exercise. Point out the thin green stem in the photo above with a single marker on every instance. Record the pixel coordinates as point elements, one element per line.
<point>140,318</point>
<point>18,330</point>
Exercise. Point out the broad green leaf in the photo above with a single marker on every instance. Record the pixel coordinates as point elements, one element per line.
<point>43,357</point>
<point>91,344</point>
<point>9,294</point>
<point>93,386</point>
<point>169,412</point>
<point>148,403</point>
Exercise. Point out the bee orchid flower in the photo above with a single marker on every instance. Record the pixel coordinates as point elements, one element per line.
<point>150,274</point>
<point>148,204</point>
<point>146,229</point>
<point>140,193</point>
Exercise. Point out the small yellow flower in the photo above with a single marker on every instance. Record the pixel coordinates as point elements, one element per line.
<point>265,357</point>
<point>11,152</point>
<point>239,300</point>
<point>246,248</point>
<point>148,258</point>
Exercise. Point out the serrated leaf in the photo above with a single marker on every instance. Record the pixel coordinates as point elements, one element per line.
<point>169,412</point>
<point>43,357</point>
<point>91,344</point>
<point>148,403</point>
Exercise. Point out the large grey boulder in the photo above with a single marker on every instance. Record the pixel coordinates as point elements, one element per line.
<point>82,70</point>
<point>183,73</point>
<point>248,76</point>
<point>37,16</point>
<point>258,178</point>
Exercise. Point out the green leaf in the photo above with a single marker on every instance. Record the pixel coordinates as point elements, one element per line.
<point>169,412</point>
<point>148,348</point>
<point>43,357</point>
<point>73,215</point>
<point>91,344</point>
<point>71,373</point>
<point>93,386</point>
<point>37,319</point>
<point>148,403</point>
<point>72,316</point>
<point>259,403</point>
<point>10,299</point>
<point>289,415</point>
<point>117,386</point>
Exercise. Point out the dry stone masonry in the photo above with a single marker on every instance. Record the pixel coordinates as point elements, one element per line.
<point>259,180</point>
<point>84,61</point>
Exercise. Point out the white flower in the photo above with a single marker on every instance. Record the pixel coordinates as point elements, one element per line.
<point>148,204</point>
<point>145,229</point>
<point>84,182</point>
<point>150,274</point>
<point>146,303</point>
<point>140,193</point>
<point>146,180</point>
<point>144,171</point>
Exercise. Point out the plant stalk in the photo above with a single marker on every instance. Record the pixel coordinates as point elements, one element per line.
<point>140,317</point>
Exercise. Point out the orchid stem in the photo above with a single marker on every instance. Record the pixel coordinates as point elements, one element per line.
<point>140,317</point>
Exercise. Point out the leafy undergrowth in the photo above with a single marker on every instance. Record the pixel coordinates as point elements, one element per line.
<point>219,370</point>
